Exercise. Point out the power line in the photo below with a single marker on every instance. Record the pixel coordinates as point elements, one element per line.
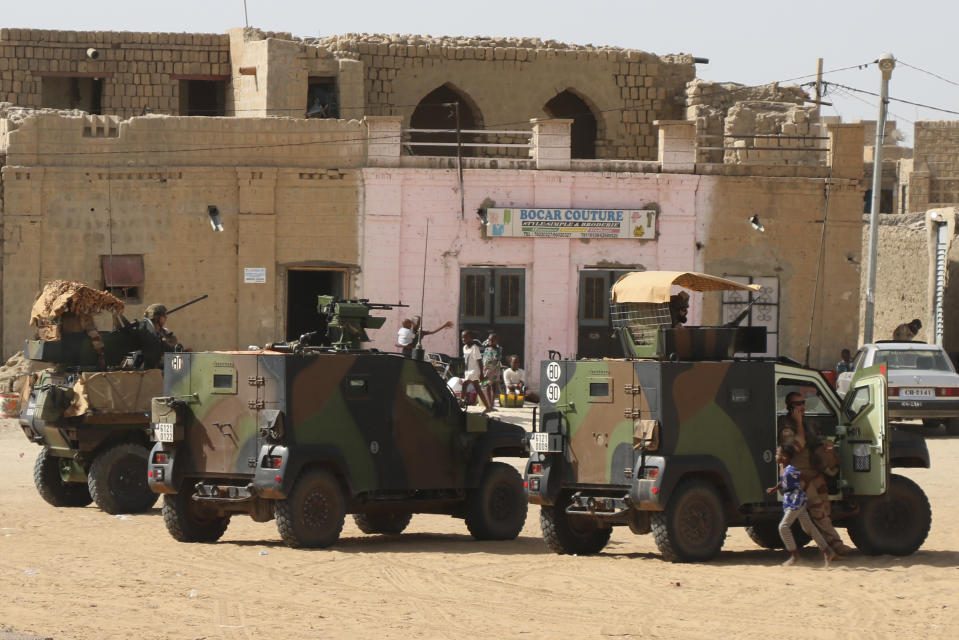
<point>934,75</point>
<point>891,99</point>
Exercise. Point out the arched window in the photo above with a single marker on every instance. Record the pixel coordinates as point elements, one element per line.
<point>569,105</point>
<point>436,111</point>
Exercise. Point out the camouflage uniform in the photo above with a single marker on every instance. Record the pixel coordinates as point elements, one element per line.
<point>817,493</point>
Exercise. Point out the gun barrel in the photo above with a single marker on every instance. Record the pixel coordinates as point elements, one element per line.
<point>187,304</point>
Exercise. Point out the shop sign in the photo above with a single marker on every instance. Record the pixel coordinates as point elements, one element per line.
<point>571,223</point>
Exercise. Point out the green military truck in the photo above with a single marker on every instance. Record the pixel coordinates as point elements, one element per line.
<point>679,438</point>
<point>309,431</point>
<point>89,409</point>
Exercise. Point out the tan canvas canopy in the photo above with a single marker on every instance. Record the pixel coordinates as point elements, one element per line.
<point>655,286</point>
<point>66,296</point>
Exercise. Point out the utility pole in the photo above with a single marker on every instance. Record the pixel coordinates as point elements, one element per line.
<point>818,81</point>
<point>886,64</point>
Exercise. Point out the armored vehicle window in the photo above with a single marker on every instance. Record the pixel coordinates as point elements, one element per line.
<point>858,403</point>
<point>222,381</point>
<point>599,390</point>
<point>421,395</point>
<point>815,403</point>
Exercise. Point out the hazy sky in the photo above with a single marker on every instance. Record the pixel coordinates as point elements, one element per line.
<point>749,42</point>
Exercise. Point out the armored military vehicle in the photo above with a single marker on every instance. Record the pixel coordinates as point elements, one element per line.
<point>679,437</point>
<point>89,411</point>
<point>308,431</point>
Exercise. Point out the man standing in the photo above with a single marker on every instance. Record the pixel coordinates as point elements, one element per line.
<point>907,331</point>
<point>794,430</point>
<point>844,365</point>
<point>405,338</point>
<point>473,362</point>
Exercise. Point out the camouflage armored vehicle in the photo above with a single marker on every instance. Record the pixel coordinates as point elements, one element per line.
<point>89,410</point>
<point>679,437</point>
<point>306,432</point>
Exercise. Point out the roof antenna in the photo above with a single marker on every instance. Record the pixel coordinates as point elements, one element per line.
<point>418,350</point>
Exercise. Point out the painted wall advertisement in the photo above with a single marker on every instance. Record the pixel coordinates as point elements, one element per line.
<point>571,223</point>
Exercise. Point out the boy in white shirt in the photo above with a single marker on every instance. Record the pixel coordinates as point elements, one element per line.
<point>473,360</point>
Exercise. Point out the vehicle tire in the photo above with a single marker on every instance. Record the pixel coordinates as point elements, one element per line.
<point>693,526</point>
<point>896,523</point>
<point>571,535</point>
<point>496,510</point>
<point>384,523</point>
<point>117,479</point>
<point>952,426</point>
<point>766,535</point>
<point>190,521</point>
<point>312,516</point>
<point>52,488</point>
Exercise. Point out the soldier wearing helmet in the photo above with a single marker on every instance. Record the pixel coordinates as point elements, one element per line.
<point>156,315</point>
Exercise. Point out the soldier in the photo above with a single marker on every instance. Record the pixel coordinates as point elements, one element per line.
<point>678,308</point>
<point>156,314</point>
<point>794,430</point>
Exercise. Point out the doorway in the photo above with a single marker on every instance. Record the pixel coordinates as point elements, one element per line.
<point>595,338</point>
<point>494,300</point>
<point>302,288</point>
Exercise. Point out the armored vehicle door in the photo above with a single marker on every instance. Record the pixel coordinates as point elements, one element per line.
<point>223,436</point>
<point>426,429</point>
<point>864,451</point>
<point>596,397</point>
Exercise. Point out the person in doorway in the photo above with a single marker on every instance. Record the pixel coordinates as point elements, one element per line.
<point>845,364</point>
<point>405,338</point>
<point>794,430</point>
<point>794,508</point>
<point>473,363</point>
<point>157,314</point>
<point>907,331</point>
<point>492,367</point>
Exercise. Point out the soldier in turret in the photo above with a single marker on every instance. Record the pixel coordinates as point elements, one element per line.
<point>156,314</point>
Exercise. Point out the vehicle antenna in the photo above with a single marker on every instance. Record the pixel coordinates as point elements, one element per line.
<point>418,350</point>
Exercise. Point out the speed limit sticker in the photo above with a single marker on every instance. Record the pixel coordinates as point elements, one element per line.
<point>553,371</point>
<point>552,393</point>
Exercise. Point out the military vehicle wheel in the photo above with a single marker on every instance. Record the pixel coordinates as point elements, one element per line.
<point>52,488</point>
<point>385,523</point>
<point>118,479</point>
<point>566,535</point>
<point>496,510</point>
<point>190,521</point>
<point>693,527</point>
<point>313,514</point>
<point>766,535</point>
<point>896,523</point>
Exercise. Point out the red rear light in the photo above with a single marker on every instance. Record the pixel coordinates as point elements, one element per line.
<point>947,391</point>
<point>536,467</point>
<point>149,474</point>
<point>892,391</point>
<point>526,485</point>
<point>160,458</point>
<point>278,479</point>
<point>652,473</point>
<point>273,462</point>
<point>655,490</point>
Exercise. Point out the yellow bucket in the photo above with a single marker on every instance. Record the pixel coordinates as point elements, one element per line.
<point>511,399</point>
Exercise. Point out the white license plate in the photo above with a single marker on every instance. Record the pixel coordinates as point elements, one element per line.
<point>539,442</point>
<point>916,393</point>
<point>163,431</point>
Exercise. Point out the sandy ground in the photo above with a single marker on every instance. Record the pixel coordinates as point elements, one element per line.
<point>80,573</point>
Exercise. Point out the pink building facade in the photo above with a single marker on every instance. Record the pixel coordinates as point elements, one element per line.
<point>537,294</point>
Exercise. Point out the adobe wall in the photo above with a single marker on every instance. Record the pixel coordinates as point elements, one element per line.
<point>936,165</point>
<point>510,80</point>
<point>62,212</point>
<point>140,70</point>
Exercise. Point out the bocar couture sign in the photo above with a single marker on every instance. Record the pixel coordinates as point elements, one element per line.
<point>637,224</point>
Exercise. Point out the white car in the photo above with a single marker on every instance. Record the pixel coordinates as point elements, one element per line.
<point>923,384</point>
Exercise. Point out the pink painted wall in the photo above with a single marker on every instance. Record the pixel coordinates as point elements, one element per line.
<point>397,203</point>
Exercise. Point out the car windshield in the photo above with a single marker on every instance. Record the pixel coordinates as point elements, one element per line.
<point>916,359</point>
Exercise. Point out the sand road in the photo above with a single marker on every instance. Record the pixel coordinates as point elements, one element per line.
<point>81,573</point>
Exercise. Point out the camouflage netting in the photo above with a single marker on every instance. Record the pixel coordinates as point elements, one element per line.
<point>68,297</point>
<point>13,372</point>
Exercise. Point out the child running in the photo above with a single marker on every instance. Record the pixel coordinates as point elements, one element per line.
<point>794,507</point>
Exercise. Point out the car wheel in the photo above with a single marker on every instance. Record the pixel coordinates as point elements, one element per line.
<point>190,521</point>
<point>312,516</point>
<point>118,479</point>
<point>572,535</point>
<point>693,526</point>
<point>896,523</point>
<point>50,484</point>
